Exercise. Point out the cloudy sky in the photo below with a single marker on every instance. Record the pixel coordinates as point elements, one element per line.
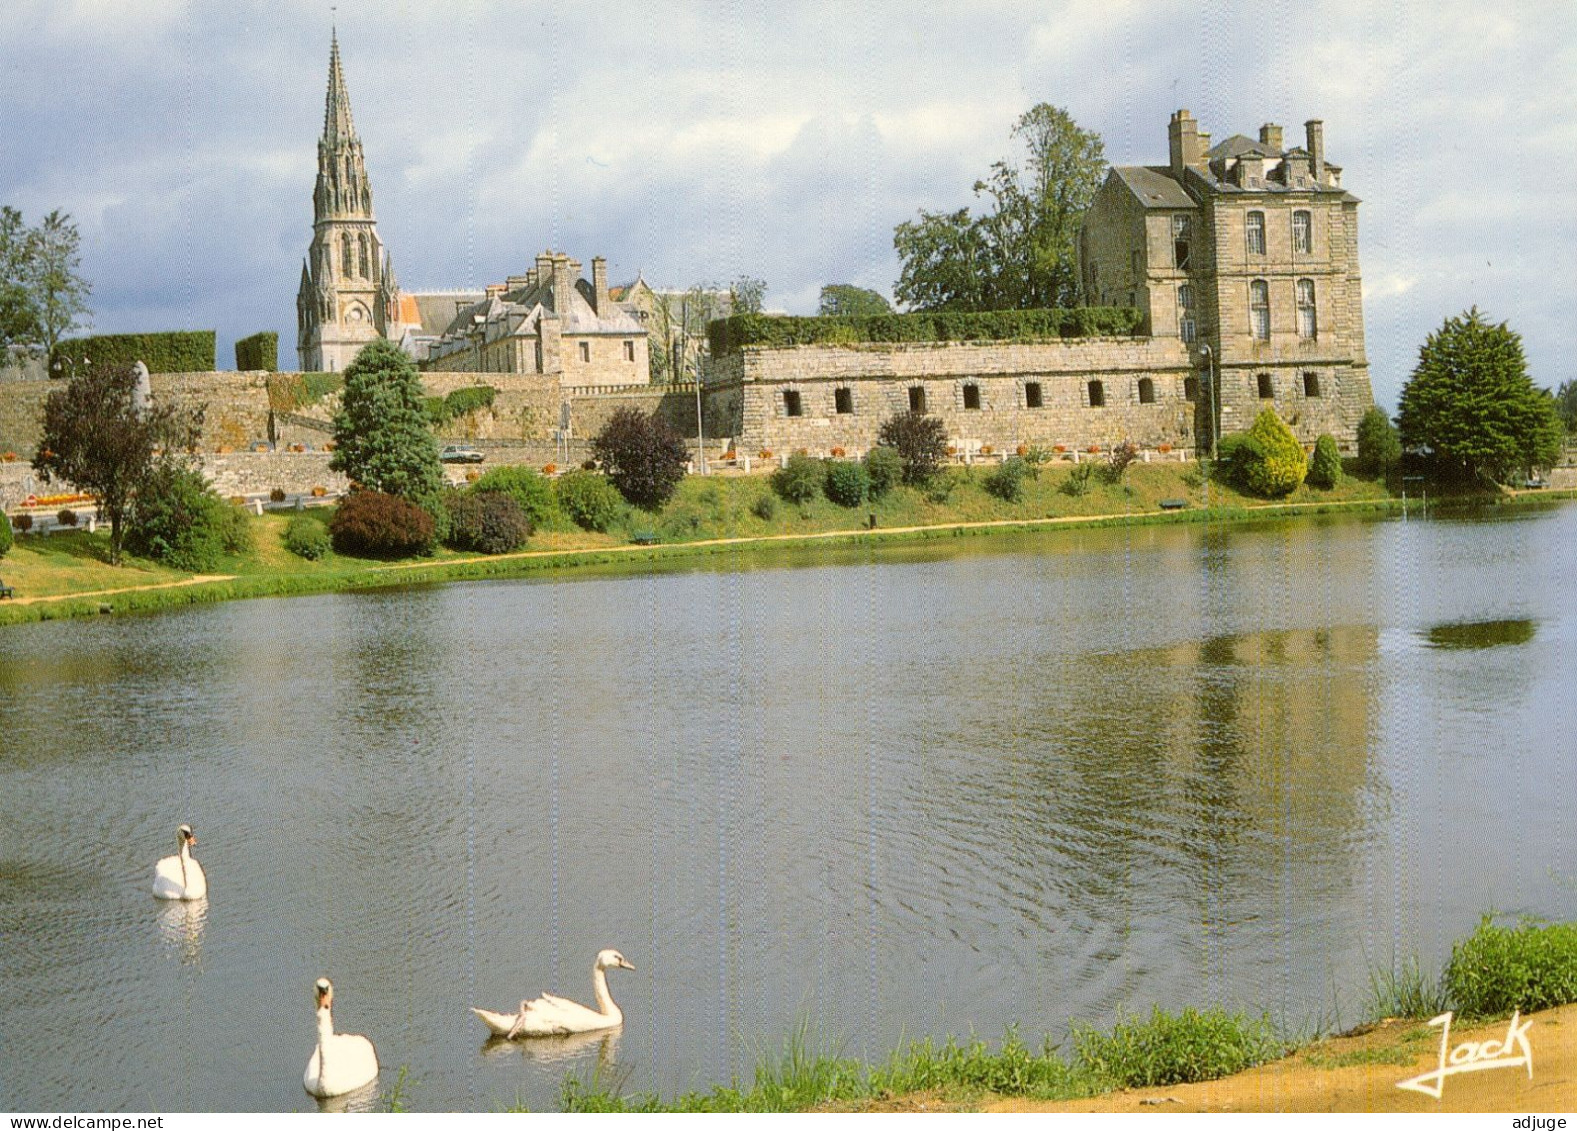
<point>698,141</point>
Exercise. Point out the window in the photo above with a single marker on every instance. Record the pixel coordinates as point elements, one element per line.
<point>916,398</point>
<point>1182,232</point>
<point>366,268</point>
<point>1311,384</point>
<point>1185,312</point>
<point>1097,395</point>
<point>1267,388</point>
<point>1032,394</point>
<point>1256,233</point>
<point>1302,233</point>
<point>347,266</point>
<point>1146,391</point>
<point>791,403</point>
<point>585,351</point>
<point>1259,309</point>
<point>843,401</point>
<point>1306,320</point>
<point>1190,388</point>
<point>972,396</point>
<point>539,357</point>
<point>629,351</point>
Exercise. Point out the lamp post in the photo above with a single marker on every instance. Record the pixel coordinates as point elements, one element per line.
<point>700,425</point>
<point>1210,377</point>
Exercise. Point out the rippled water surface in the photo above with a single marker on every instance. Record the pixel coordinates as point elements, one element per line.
<point>940,789</point>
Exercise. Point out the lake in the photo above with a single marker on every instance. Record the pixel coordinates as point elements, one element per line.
<point>936,788</point>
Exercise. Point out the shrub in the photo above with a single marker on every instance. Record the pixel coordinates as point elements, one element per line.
<point>939,488</point>
<point>1279,464</point>
<point>531,490</point>
<point>66,517</point>
<point>590,501</point>
<point>800,479</point>
<point>277,495</point>
<point>641,456</point>
<point>260,351</point>
<point>487,522</point>
<point>24,523</point>
<point>1379,445</point>
<point>307,538</point>
<point>459,402</point>
<point>1078,481</point>
<point>921,442</point>
<point>1325,465</point>
<point>235,531</point>
<point>371,524</point>
<point>1118,461</point>
<point>1182,1049</point>
<point>1498,969</point>
<point>1234,453</point>
<point>1007,481</point>
<point>6,539</point>
<point>848,483</point>
<point>884,468</point>
<point>178,520</point>
<point>765,507</point>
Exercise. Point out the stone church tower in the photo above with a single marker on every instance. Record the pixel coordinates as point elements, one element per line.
<point>347,288</point>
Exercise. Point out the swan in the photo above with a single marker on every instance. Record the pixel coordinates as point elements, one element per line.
<point>179,876</point>
<point>342,1062</point>
<point>550,1016</point>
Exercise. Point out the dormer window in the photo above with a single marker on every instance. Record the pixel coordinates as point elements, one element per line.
<point>1255,230</point>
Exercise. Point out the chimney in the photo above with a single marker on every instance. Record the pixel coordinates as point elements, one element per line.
<point>599,286</point>
<point>563,284</point>
<point>1182,136</point>
<point>544,271</point>
<point>495,290</point>
<point>1270,138</point>
<point>1316,147</point>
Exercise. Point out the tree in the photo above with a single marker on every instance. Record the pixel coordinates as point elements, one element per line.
<point>97,438</point>
<point>381,436</point>
<point>921,442</point>
<point>1271,461</point>
<point>176,518</point>
<point>1379,447</point>
<point>857,302</point>
<point>1325,465</point>
<point>18,306</point>
<point>745,295</point>
<point>60,292</point>
<point>1471,402</point>
<point>1566,404</point>
<point>641,456</point>
<point>678,334</point>
<point>1022,252</point>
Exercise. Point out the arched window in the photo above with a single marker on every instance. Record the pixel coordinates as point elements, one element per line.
<point>1256,233</point>
<point>1259,309</point>
<point>1185,312</point>
<point>366,264</point>
<point>1146,391</point>
<point>1302,233</point>
<point>1306,319</point>
<point>347,266</point>
<point>1097,395</point>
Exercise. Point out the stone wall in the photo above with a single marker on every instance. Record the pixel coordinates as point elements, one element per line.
<point>1089,391</point>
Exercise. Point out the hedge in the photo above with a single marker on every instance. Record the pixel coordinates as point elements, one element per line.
<point>176,351</point>
<point>729,335</point>
<point>260,351</point>
<point>467,398</point>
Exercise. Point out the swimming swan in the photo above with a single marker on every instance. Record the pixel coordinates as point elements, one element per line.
<point>179,876</point>
<point>342,1062</point>
<point>549,1016</point>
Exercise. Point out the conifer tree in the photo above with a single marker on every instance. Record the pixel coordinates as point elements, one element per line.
<point>381,436</point>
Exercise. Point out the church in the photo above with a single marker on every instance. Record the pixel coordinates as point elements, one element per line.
<point>549,320</point>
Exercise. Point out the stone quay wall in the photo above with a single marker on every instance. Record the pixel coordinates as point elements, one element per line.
<point>1075,393</point>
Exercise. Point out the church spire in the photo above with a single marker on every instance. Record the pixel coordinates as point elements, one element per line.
<point>337,125</point>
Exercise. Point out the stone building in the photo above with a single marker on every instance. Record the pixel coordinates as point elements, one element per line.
<point>347,295</point>
<point>547,321</point>
<point>1247,254</point>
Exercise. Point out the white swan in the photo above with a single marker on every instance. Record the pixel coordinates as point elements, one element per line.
<point>342,1062</point>
<point>550,1016</point>
<point>180,876</point>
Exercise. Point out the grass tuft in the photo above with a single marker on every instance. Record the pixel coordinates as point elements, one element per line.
<point>1498,969</point>
<point>1183,1048</point>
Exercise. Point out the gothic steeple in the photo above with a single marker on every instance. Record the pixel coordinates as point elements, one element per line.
<point>345,299</point>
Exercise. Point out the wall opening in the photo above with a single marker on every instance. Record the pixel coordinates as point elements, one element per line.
<point>1267,388</point>
<point>1146,391</point>
<point>972,396</point>
<point>1032,394</point>
<point>791,403</point>
<point>1311,384</point>
<point>585,351</point>
<point>916,398</point>
<point>1190,388</point>
<point>843,401</point>
<point>1097,395</point>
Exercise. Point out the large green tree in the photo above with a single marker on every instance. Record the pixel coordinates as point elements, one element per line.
<point>381,435</point>
<point>100,439</point>
<point>1021,252</point>
<point>18,306</point>
<point>857,302</point>
<point>1471,402</point>
<point>1566,405</point>
<point>58,287</point>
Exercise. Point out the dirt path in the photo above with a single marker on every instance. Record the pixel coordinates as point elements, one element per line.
<point>1308,1081</point>
<point>199,579</point>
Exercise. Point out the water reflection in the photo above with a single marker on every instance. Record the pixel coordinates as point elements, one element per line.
<point>363,1099</point>
<point>181,925</point>
<point>1481,634</point>
<point>556,1052</point>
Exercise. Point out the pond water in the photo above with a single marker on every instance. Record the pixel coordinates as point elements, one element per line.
<point>934,789</point>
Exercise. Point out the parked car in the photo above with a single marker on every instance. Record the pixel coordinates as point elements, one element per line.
<point>457,453</point>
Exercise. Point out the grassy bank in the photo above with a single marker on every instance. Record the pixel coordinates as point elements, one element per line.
<point>67,575</point>
<point>1499,968</point>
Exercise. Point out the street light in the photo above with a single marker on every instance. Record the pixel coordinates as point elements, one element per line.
<point>1210,371</point>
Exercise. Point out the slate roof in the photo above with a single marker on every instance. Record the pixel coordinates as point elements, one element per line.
<point>1153,186</point>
